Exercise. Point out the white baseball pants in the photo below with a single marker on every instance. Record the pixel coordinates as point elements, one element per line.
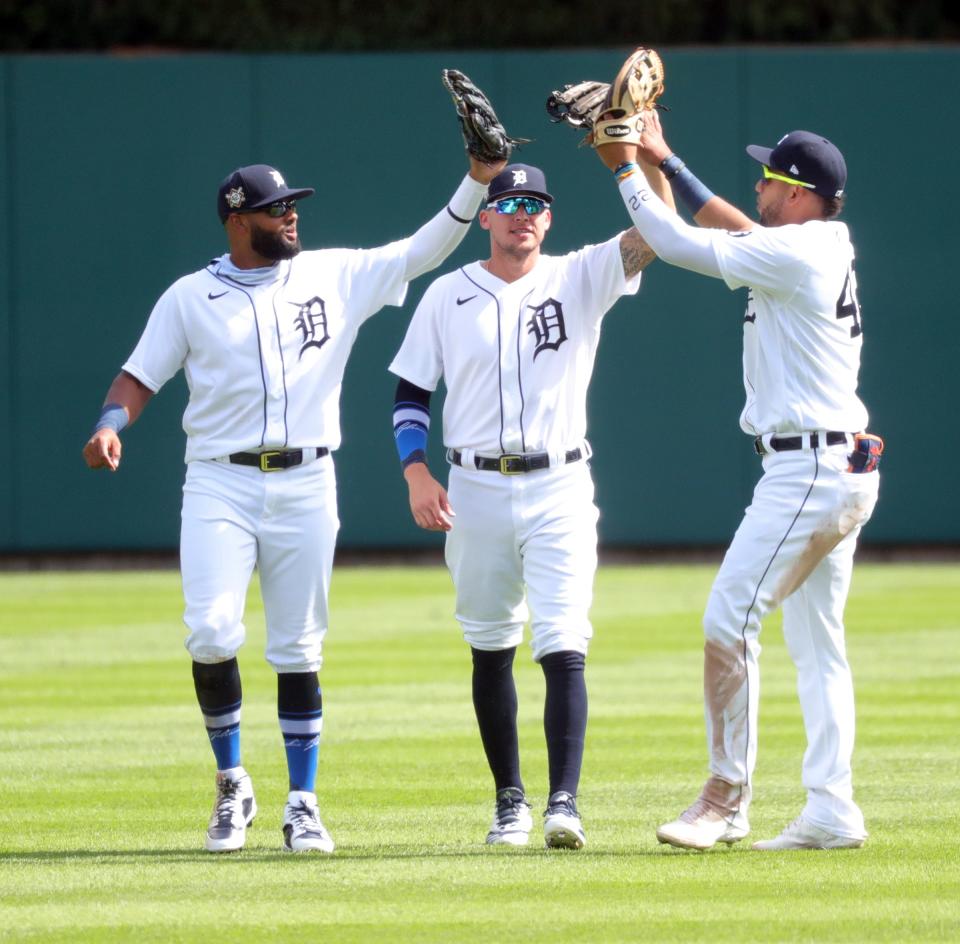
<point>794,547</point>
<point>285,523</point>
<point>519,538</point>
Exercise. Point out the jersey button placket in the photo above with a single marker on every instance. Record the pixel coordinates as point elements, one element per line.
<point>511,391</point>
<point>273,375</point>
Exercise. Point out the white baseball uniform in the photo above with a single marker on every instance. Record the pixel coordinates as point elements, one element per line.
<point>516,359</point>
<point>264,352</point>
<point>795,545</point>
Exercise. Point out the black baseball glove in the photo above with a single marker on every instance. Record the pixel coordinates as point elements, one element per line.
<point>578,105</point>
<point>484,135</point>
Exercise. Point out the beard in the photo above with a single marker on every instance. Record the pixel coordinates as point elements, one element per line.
<point>772,214</point>
<point>273,246</point>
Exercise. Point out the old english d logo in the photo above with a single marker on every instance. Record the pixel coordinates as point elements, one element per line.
<point>312,321</point>
<point>547,326</point>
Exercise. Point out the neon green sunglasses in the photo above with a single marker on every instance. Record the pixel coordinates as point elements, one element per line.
<point>773,175</point>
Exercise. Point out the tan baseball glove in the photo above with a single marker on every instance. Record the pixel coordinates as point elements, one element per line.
<point>634,91</point>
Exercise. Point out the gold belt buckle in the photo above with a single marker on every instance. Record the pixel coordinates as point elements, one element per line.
<point>265,466</point>
<point>505,465</point>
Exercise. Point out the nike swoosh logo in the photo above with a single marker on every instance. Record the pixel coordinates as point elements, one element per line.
<point>211,296</point>
<point>463,301</point>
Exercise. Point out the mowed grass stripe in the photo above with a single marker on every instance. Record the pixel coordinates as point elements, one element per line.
<point>106,781</point>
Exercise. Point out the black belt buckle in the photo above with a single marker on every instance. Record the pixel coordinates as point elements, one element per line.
<point>758,446</point>
<point>266,462</point>
<point>512,465</point>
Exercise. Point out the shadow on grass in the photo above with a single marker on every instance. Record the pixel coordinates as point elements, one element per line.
<point>271,855</point>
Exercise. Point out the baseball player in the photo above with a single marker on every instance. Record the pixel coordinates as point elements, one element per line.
<point>514,338</point>
<point>262,334</point>
<point>794,548</point>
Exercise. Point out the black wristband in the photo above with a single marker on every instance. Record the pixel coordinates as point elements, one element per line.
<point>418,455</point>
<point>671,166</point>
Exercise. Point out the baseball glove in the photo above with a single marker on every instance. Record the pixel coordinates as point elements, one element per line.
<point>483,134</point>
<point>578,105</point>
<point>638,85</point>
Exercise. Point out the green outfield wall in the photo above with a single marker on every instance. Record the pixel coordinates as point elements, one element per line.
<point>108,174</point>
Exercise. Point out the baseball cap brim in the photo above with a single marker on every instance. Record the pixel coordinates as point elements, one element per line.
<point>524,192</point>
<point>761,154</point>
<point>279,195</point>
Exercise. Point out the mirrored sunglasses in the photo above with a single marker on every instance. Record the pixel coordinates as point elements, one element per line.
<point>509,205</point>
<point>773,175</point>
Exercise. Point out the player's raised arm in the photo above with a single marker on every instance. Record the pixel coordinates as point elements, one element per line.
<point>124,402</point>
<point>659,161</point>
<point>634,250</point>
<point>662,230</point>
<point>488,147</point>
<point>615,117</point>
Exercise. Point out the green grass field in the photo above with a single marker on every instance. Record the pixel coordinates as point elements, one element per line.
<point>106,776</point>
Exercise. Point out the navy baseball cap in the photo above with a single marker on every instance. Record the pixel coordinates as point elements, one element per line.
<point>253,188</point>
<point>519,179</point>
<point>807,158</point>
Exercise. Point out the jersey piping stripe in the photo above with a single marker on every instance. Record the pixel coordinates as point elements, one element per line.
<point>232,283</point>
<point>499,348</point>
<point>263,378</point>
<point>283,364</point>
<point>523,402</point>
<point>766,570</point>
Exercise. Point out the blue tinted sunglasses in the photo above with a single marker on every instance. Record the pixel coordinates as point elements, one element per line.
<point>509,205</point>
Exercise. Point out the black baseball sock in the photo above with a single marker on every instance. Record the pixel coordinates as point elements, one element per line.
<point>495,702</point>
<point>564,718</point>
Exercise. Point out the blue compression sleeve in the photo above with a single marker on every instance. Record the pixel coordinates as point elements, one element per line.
<point>687,188</point>
<point>411,422</point>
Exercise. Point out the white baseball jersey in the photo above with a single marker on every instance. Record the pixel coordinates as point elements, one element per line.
<point>264,350</point>
<point>801,331</point>
<point>500,346</point>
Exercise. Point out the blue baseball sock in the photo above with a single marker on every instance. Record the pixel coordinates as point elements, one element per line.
<point>300,710</point>
<point>219,694</point>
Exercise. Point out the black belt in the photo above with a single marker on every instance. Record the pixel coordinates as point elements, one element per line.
<point>274,460</point>
<point>791,443</point>
<point>514,464</point>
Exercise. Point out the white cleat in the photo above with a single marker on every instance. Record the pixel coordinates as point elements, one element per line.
<point>801,834</point>
<point>233,811</point>
<point>511,819</point>
<point>562,828</point>
<point>302,829</point>
<point>702,826</point>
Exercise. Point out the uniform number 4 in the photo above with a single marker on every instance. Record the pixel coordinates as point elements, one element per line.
<point>847,304</point>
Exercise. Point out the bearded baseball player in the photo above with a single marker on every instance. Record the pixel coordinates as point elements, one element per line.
<point>801,356</point>
<point>514,338</point>
<point>263,334</point>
